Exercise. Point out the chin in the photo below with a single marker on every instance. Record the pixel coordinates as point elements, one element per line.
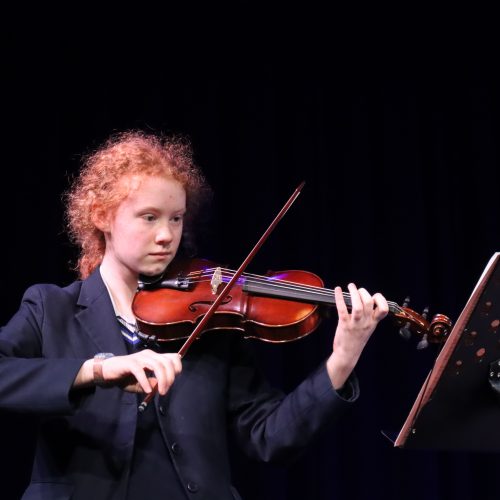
<point>153,270</point>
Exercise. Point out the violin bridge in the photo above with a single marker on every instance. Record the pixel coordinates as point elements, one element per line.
<point>216,280</point>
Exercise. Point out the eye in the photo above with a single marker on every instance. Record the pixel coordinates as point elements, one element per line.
<point>149,217</point>
<point>177,219</point>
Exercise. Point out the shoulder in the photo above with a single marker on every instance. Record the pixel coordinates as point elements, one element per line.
<point>41,302</point>
<point>80,291</point>
<point>44,291</point>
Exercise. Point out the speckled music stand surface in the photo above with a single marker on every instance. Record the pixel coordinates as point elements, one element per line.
<point>456,408</point>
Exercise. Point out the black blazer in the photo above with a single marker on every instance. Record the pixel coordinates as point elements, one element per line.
<point>86,437</point>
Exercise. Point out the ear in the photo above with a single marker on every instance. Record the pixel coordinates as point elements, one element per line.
<point>101,219</point>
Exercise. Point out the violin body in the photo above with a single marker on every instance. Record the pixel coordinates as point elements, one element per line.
<point>279,307</point>
<point>171,313</point>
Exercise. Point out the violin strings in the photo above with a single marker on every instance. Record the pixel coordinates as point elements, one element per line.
<point>207,274</point>
<point>285,285</point>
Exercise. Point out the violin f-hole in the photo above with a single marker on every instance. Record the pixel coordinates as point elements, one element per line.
<point>193,307</point>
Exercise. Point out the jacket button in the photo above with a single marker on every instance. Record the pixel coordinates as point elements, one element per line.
<point>162,410</point>
<point>175,447</point>
<point>192,487</point>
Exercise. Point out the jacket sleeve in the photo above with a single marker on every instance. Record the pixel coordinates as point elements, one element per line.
<point>270,426</point>
<point>30,382</point>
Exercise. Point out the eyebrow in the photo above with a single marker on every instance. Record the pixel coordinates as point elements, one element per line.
<point>156,209</point>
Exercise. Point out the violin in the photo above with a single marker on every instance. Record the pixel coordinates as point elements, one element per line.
<point>278,307</point>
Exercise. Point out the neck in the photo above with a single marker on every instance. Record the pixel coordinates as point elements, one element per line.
<point>122,288</point>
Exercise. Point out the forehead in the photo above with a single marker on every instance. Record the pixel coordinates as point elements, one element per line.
<point>144,188</point>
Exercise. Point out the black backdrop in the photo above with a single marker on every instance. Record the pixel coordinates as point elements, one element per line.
<point>396,135</point>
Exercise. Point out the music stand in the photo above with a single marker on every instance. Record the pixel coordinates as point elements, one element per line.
<point>456,408</point>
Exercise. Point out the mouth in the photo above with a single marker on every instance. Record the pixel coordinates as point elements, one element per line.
<point>160,255</point>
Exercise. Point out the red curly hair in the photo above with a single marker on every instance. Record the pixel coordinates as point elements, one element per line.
<point>96,188</point>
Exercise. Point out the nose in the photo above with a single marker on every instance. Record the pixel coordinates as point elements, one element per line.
<point>164,235</point>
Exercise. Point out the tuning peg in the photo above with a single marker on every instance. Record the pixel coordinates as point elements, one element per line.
<point>425,313</point>
<point>424,343</point>
<point>405,331</point>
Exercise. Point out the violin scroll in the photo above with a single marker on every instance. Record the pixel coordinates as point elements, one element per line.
<point>436,331</point>
<point>440,327</point>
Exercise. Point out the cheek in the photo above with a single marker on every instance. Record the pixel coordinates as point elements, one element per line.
<point>179,237</point>
<point>133,240</point>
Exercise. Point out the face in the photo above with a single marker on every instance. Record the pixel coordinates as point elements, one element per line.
<point>145,232</point>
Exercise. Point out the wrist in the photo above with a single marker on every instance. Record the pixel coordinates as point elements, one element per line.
<point>339,369</point>
<point>97,367</point>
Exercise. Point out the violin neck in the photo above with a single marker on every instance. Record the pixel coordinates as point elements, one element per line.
<point>309,294</point>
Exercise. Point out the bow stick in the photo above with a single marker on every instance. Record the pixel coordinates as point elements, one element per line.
<point>199,327</point>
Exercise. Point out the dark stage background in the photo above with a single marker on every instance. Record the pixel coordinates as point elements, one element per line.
<point>396,136</point>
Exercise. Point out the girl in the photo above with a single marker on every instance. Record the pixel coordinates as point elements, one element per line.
<point>72,355</point>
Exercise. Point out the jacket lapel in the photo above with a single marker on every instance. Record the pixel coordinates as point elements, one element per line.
<point>97,316</point>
